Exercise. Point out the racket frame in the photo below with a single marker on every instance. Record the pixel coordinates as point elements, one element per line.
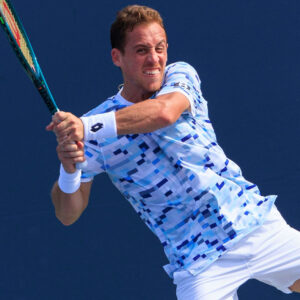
<point>35,74</point>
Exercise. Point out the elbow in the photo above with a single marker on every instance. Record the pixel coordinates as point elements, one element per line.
<point>66,220</point>
<point>166,116</point>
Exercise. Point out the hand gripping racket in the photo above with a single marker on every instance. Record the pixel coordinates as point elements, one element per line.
<point>22,47</point>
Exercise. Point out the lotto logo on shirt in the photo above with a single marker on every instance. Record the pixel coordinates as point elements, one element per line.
<point>182,85</point>
<point>96,127</point>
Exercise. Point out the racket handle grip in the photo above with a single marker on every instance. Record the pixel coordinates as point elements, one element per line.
<point>80,166</point>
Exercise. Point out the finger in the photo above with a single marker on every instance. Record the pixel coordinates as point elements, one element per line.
<point>65,120</point>
<point>70,157</point>
<point>72,154</point>
<point>72,126</point>
<point>80,144</point>
<point>74,136</point>
<point>63,139</point>
<point>69,147</point>
<point>63,125</point>
<point>72,160</point>
<point>59,116</point>
<point>50,126</point>
<point>68,127</point>
<point>61,134</point>
<point>78,159</point>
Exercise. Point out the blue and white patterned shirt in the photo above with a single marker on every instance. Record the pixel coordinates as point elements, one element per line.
<point>179,181</point>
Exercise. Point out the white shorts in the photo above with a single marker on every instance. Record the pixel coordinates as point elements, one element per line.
<point>270,254</point>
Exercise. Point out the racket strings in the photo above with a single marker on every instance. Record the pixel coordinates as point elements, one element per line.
<point>17,33</point>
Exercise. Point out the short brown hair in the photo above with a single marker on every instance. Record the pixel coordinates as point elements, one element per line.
<point>127,19</point>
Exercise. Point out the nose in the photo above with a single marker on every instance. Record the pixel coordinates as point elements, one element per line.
<point>153,56</point>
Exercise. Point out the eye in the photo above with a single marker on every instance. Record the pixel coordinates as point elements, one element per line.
<point>160,49</point>
<point>141,50</point>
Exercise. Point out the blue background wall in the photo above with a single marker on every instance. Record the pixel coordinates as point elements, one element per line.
<point>247,55</point>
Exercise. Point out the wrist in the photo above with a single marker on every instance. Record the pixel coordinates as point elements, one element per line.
<point>99,126</point>
<point>69,182</point>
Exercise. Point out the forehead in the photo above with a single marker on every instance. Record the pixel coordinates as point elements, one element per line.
<point>146,34</point>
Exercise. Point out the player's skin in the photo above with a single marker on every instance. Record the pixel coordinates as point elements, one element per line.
<point>142,63</point>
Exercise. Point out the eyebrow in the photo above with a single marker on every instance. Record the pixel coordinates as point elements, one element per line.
<point>146,46</point>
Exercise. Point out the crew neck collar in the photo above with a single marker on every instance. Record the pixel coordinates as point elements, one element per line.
<point>121,99</point>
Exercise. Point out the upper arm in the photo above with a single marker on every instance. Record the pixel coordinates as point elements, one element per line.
<point>183,79</point>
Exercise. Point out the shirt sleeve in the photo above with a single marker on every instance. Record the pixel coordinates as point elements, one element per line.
<point>183,78</point>
<point>95,162</point>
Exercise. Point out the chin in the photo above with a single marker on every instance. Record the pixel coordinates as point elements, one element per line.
<point>154,87</point>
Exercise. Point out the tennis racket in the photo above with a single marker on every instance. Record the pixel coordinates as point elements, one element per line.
<point>22,47</point>
<point>19,41</point>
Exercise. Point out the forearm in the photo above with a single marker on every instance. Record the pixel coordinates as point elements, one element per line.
<point>69,207</point>
<point>143,117</point>
<point>151,114</point>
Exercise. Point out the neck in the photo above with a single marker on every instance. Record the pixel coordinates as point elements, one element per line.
<point>134,97</point>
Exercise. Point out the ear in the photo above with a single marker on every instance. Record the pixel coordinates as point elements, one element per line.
<point>116,57</point>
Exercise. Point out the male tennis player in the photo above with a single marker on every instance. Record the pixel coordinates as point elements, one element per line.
<point>155,141</point>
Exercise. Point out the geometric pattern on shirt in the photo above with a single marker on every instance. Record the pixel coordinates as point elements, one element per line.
<point>179,180</point>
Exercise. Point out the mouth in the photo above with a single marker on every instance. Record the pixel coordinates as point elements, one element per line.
<point>152,72</point>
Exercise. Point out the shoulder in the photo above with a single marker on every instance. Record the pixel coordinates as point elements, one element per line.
<point>181,74</point>
<point>183,70</point>
<point>180,66</point>
<point>110,104</point>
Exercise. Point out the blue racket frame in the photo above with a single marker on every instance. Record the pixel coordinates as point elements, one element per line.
<point>35,74</point>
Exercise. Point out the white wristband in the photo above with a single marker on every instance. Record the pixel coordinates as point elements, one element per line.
<point>69,182</point>
<point>99,126</point>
